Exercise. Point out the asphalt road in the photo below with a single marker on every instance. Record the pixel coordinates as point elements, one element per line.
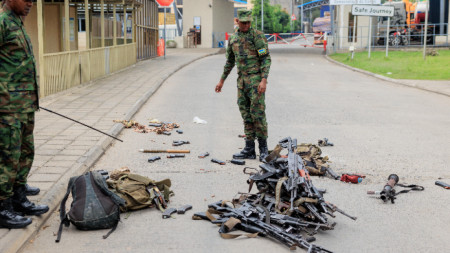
<point>378,128</point>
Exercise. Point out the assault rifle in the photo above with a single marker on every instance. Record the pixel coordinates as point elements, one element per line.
<point>246,214</point>
<point>298,175</point>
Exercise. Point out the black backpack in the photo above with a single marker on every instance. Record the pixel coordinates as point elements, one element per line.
<point>93,206</point>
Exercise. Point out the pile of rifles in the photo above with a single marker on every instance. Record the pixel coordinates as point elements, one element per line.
<point>287,208</point>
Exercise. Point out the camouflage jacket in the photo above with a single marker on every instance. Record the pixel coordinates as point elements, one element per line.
<point>18,85</point>
<point>250,53</point>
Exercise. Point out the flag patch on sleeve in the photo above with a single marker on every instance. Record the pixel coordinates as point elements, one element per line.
<point>262,51</point>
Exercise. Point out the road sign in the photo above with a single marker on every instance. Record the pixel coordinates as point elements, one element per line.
<point>351,2</point>
<point>373,10</point>
<point>164,3</point>
<point>293,17</point>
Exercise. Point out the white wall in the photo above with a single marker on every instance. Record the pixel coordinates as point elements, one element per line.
<point>199,8</point>
<point>215,15</point>
<point>223,19</point>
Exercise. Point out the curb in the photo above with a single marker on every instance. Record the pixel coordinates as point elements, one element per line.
<point>385,78</point>
<point>18,237</point>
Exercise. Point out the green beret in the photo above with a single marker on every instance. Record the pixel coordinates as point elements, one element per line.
<point>244,15</point>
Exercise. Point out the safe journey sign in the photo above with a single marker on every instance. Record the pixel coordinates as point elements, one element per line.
<point>373,10</point>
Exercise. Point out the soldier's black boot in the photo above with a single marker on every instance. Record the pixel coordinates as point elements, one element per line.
<point>9,218</point>
<point>248,152</point>
<point>22,205</point>
<point>263,150</point>
<point>31,191</point>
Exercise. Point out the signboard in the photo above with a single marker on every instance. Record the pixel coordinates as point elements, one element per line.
<point>293,17</point>
<point>351,2</point>
<point>373,10</point>
<point>164,3</point>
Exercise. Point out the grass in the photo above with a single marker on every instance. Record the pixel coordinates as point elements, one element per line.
<point>401,65</point>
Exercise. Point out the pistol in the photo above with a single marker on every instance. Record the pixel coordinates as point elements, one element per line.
<point>179,143</point>
<point>168,212</point>
<point>442,184</point>
<point>176,156</point>
<point>218,161</point>
<point>203,155</point>
<point>183,209</point>
<point>238,162</point>
<point>154,158</point>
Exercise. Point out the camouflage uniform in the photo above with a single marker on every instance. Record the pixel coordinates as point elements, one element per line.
<point>250,53</point>
<point>18,102</point>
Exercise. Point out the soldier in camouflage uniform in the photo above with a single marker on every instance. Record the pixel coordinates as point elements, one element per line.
<point>18,102</point>
<point>247,48</point>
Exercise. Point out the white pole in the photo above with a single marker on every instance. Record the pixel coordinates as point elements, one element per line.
<point>387,35</point>
<point>425,32</point>
<point>354,34</point>
<point>370,34</point>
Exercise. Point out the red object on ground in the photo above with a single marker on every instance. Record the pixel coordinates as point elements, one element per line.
<point>164,3</point>
<point>160,47</point>
<point>351,178</point>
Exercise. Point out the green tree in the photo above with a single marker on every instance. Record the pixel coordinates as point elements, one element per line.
<point>275,19</point>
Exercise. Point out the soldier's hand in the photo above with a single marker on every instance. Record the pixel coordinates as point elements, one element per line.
<point>262,86</point>
<point>219,86</point>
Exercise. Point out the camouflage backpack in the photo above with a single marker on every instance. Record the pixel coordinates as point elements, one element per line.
<point>314,163</point>
<point>140,191</point>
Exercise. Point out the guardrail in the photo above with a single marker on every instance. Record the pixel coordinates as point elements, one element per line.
<point>68,69</point>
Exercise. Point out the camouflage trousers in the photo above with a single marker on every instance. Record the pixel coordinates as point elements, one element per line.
<point>16,150</point>
<point>252,106</point>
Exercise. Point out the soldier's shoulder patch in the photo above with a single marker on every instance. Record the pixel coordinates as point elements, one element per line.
<point>262,51</point>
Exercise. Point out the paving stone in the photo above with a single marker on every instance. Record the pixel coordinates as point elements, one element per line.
<point>73,152</point>
<point>53,170</point>
<point>38,177</point>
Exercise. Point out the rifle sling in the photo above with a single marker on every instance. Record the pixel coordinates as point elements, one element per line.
<point>230,224</point>
<point>278,193</point>
<point>413,187</point>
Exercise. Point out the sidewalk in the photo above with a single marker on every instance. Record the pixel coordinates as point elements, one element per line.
<point>440,87</point>
<point>65,149</point>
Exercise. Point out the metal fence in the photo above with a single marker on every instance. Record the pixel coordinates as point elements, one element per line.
<point>399,36</point>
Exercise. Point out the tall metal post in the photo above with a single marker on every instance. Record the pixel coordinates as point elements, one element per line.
<point>66,25</point>
<point>425,32</point>
<point>262,15</point>
<point>387,36</point>
<point>124,24</point>
<point>102,22</point>
<point>164,33</point>
<point>114,25</point>
<point>354,36</point>
<point>301,19</point>
<point>370,35</point>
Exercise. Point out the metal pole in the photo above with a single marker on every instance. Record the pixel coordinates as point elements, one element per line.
<point>164,32</point>
<point>426,32</point>
<point>301,19</point>
<point>332,27</point>
<point>387,36</point>
<point>354,34</point>
<point>262,15</point>
<point>370,34</point>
